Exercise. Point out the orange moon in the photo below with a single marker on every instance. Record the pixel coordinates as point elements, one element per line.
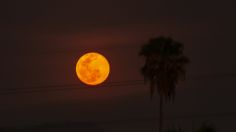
<point>92,68</point>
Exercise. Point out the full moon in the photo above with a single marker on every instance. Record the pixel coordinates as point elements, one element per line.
<point>92,68</point>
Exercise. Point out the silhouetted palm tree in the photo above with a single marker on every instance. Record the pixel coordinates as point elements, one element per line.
<point>164,67</point>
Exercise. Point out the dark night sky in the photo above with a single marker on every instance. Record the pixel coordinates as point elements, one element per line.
<point>42,40</point>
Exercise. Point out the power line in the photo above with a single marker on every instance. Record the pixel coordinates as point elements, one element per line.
<point>70,85</point>
<point>54,88</point>
<point>65,87</point>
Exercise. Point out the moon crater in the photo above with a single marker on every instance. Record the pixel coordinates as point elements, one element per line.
<point>92,68</point>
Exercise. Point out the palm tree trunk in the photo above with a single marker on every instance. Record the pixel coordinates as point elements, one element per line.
<point>161,114</point>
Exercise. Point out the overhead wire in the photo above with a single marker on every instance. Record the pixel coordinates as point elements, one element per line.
<point>65,87</point>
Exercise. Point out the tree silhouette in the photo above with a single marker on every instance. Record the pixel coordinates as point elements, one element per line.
<point>164,67</point>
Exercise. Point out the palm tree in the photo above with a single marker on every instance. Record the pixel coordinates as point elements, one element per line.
<point>164,67</point>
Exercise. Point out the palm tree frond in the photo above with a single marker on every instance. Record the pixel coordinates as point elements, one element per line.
<point>164,64</point>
